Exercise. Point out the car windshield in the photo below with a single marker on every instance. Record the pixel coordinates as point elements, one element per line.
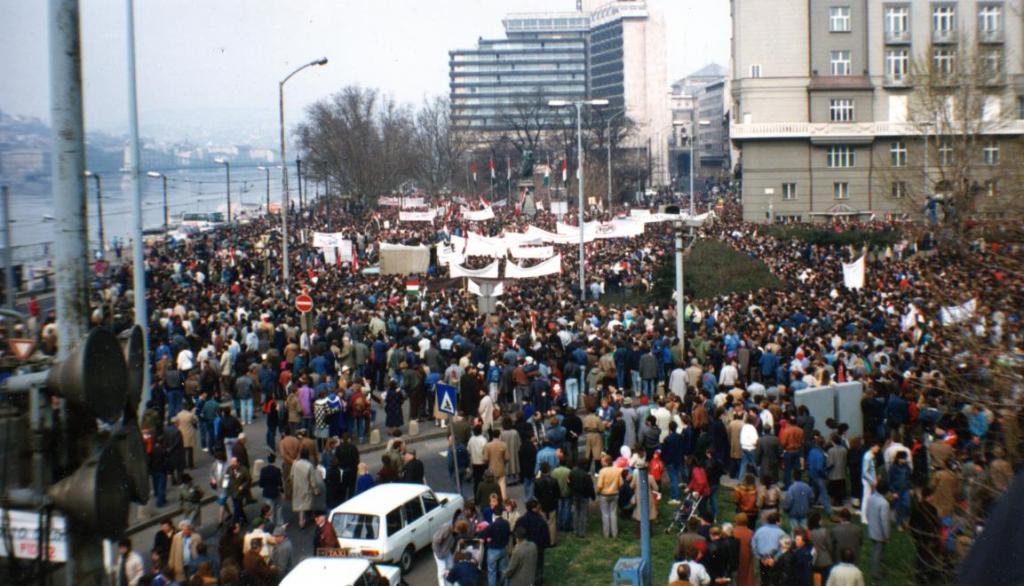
<point>355,526</point>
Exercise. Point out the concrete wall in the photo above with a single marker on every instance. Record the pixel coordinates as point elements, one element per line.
<point>839,402</point>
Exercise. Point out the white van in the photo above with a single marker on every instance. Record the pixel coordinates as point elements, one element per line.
<point>391,522</point>
<point>341,572</point>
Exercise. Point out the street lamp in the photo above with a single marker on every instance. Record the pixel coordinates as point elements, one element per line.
<point>680,302</point>
<point>155,175</point>
<point>267,169</point>
<point>227,166</point>
<point>608,131</point>
<point>284,162</point>
<point>579,170</point>
<point>99,209</point>
<point>693,144</point>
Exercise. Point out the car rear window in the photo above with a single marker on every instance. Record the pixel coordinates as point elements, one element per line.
<point>355,526</point>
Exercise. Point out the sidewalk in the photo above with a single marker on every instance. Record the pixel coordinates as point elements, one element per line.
<point>141,517</point>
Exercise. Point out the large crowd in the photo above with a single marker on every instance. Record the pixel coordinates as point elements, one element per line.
<point>576,399</point>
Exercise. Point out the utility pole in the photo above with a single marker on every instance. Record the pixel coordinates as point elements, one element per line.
<point>298,174</point>
<point>9,287</point>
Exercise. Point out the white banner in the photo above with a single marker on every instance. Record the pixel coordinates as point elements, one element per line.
<point>477,215</point>
<point>474,288</point>
<point>853,274</point>
<point>330,256</point>
<point>488,272</point>
<point>447,255</point>
<point>551,266</point>
<point>327,239</point>
<point>477,245</point>
<point>427,216</point>
<point>22,530</point>
<point>958,313</point>
<point>413,202</point>
<point>389,201</point>
<point>532,252</point>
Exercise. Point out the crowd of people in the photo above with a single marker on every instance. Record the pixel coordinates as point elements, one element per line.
<point>577,399</point>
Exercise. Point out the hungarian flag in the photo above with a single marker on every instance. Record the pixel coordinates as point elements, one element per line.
<point>472,168</point>
<point>412,286</point>
<point>490,165</point>
<point>486,203</point>
<point>565,170</point>
<point>508,168</point>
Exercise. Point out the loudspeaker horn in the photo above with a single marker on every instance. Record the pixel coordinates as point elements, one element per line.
<point>132,451</point>
<point>94,376</point>
<point>134,346</point>
<point>95,497</point>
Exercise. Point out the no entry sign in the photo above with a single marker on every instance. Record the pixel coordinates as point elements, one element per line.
<point>304,303</point>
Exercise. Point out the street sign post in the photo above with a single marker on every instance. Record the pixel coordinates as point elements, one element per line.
<point>304,303</point>
<point>22,348</point>
<point>446,398</point>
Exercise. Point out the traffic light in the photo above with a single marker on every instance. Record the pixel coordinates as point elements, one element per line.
<point>134,356</point>
<point>94,376</point>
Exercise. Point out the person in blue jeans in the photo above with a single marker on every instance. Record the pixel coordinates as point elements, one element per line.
<point>899,483</point>
<point>817,470</point>
<point>672,455</point>
<point>496,538</point>
<point>159,465</point>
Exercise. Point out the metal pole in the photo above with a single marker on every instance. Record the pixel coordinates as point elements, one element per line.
<point>645,520</point>
<point>298,175</point>
<point>167,223</point>
<point>455,458</point>
<point>99,214</point>
<point>138,261</point>
<point>579,183</point>
<point>71,244</point>
<point>680,304</point>
<point>284,186</point>
<point>609,133</point>
<point>227,167</point>
<point>693,140</point>
<point>11,292</point>
<point>268,189</point>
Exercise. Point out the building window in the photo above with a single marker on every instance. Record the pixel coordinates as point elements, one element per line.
<point>841,190</point>
<point>897,63</point>
<point>991,188</point>
<point>840,62</point>
<point>992,63</point>
<point>755,71</point>
<point>898,153</point>
<point>897,19</point>
<point>840,110</point>
<point>841,156</point>
<point>945,153</point>
<point>899,189</point>
<point>944,19</point>
<point>990,153</point>
<point>990,19</point>
<point>839,19</point>
<point>1020,107</point>
<point>789,191</point>
<point>944,60</point>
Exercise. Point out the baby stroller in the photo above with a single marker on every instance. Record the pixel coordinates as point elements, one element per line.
<point>686,510</point>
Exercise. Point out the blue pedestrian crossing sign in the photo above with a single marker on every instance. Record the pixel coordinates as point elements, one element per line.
<point>445,398</point>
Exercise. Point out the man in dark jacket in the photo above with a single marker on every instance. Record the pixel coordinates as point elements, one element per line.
<point>272,484</point>
<point>536,531</point>
<point>672,456</point>
<point>581,486</point>
<point>347,454</point>
<point>547,492</point>
<point>768,453</point>
<point>413,471</point>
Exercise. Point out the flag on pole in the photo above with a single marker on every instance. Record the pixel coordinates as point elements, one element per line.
<point>412,286</point>
<point>490,165</point>
<point>508,168</point>
<point>565,171</point>
<point>472,168</point>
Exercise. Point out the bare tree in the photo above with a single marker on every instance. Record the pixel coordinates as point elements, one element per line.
<point>962,106</point>
<point>359,140</point>
<point>439,146</point>
<point>527,118</point>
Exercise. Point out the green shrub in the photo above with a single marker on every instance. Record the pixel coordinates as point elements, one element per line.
<point>714,268</point>
<point>827,236</point>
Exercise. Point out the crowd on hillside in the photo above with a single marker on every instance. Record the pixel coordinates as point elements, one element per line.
<point>576,399</point>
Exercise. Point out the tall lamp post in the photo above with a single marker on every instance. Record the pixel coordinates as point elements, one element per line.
<point>693,151</point>
<point>284,162</point>
<point>99,210</point>
<point>579,171</point>
<point>227,167</point>
<point>608,132</point>
<point>267,169</point>
<point>155,175</point>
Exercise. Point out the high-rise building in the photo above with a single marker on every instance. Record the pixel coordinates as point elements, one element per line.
<point>605,49</point>
<point>702,96</point>
<point>827,94</point>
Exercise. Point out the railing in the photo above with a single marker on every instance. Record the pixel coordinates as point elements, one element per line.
<point>990,36</point>
<point>859,129</point>
<point>947,36</point>
<point>897,37</point>
<point>897,80</point>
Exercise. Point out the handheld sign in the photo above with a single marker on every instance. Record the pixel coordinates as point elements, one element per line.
<point>445,398</point>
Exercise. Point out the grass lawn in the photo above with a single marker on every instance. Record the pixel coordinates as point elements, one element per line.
<point>589,561</point>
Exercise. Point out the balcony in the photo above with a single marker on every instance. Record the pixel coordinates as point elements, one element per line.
<point>897,81</point>
<point>944,36</point>
<point>897,37</point>
<point>990,37</point>
<point>827,130</point>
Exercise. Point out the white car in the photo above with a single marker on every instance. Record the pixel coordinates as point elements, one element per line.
<point>391,522</point>
<point>341,572</point>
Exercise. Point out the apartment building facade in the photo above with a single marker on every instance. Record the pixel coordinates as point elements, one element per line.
<point>829,98</point>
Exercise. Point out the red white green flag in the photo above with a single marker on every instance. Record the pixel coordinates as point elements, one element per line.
<point>412,286</point>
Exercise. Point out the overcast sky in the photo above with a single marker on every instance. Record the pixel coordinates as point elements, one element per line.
<point>201,57</point>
